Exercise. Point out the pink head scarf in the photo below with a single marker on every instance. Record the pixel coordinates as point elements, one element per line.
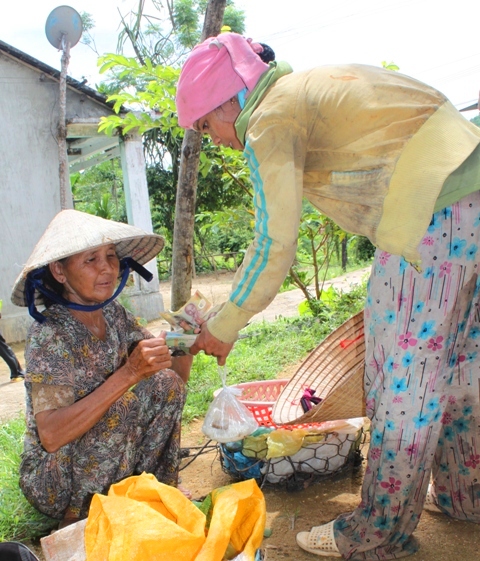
<point>215,71</point>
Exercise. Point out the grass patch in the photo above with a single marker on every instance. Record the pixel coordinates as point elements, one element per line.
<point>18,519</point>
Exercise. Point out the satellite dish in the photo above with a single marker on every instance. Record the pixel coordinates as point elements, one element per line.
<point>63,22</point>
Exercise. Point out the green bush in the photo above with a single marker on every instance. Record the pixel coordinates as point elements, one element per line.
<point>365,250</point>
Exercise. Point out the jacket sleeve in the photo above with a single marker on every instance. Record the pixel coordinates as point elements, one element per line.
<point>275,155</point>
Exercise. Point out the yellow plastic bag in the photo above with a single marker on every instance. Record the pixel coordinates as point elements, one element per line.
<point>255,446</point>
<point>284,442</point>
<point>143,519</point>
<point>237,522</point>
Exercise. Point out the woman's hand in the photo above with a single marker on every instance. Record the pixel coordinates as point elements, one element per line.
<point>210,345</point>
<point>148,357</point>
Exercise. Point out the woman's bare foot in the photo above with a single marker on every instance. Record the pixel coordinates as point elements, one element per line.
<point>67,522</point>
<point>69,517</point>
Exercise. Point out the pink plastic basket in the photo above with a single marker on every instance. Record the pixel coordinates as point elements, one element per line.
<point>259,397</point>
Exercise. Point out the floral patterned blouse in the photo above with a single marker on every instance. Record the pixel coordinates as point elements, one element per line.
<point>65,361</point>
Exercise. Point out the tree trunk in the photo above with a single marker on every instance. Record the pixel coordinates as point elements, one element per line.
<point>344,254</point>
<point>182,260</point>
<point>182,253</point>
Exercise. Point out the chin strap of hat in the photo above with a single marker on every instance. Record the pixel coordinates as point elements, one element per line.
<point>34,282</point>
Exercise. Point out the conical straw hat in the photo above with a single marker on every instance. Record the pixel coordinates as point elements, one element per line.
<point>72,231</point>
<point>335,370</point>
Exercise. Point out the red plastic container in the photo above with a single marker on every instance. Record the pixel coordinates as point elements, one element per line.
<point>259,397</point>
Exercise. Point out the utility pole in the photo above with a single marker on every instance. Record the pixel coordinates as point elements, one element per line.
<point>62,127</point>
<point>63,29</point>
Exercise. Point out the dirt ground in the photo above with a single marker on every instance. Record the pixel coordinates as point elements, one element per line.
<point>440,538</point>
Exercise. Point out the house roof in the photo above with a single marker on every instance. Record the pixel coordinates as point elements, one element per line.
<point>476,105</point>
<point>86,146</point>
<point>54,73</point>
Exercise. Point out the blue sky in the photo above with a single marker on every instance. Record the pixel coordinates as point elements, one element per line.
<point>427,40</point>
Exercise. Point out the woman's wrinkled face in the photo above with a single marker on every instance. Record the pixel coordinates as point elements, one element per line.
<point>219,124</point>
<point>89,277</point>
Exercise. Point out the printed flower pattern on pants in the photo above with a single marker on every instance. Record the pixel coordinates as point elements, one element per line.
<point>422,389</point>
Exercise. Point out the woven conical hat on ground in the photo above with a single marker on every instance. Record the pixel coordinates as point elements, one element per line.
<point>335,370</point>
<point>72,231</point>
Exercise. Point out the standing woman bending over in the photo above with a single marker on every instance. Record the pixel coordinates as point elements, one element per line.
<point>104,396</point>
<point>390,158</point>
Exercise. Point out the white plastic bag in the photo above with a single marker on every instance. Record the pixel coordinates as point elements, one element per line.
<point>227,419</point>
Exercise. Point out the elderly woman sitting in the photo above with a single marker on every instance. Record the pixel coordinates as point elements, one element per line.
<point>104,396</point>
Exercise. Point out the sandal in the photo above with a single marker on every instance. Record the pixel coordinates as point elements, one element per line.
<point>319,541</point>
<point>430,503</point>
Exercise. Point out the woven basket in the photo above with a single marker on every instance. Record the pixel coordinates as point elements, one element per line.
<point>335,370</point>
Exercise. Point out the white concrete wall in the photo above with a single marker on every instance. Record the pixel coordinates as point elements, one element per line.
<point>29,182</point>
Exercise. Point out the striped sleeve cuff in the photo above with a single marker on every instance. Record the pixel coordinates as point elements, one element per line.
<point>228,322</point>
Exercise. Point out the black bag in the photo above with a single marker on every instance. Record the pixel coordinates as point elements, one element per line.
<point>16,551</point>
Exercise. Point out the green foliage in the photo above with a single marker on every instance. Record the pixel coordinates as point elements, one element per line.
<point>318,255</point>
<point>364,248</point>
<point>153,96</point>
<point>229,230</point>
<point>225,218</point>
<point>225,234</point>
<point>18,519</point>
<point>103,207</point>
<point>171,30</point>
<point>189,15</point>
<point>317,240</point>
<point>213,192</point>
<point>335,303</point>
<point>150,92</point>
<point>234,19</point>
<point>476,120</point>
<point>221,189</point>
<point>88,23</point>
<point>390,66</point>
<point>99,191</point>
<point>187,22</point>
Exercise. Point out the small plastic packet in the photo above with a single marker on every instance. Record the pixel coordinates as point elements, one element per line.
<point>227,419</point>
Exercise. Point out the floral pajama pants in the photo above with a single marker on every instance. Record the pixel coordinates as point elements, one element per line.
<point>422,386</point>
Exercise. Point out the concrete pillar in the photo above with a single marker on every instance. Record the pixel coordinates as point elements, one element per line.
<point>145,297</point>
